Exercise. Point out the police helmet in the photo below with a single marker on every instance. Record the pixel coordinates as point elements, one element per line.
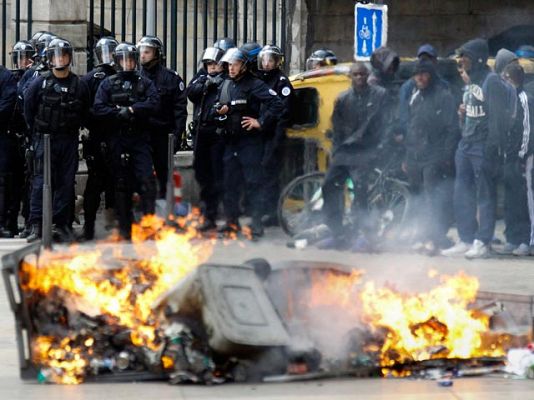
<point>105,50</point>
<point>232,55</point>
<point>212,54</point>
<point>55,52</point>
<point>321,58</point>
<point>36,37</point>
<point>124,52</point>
<point>251,51</point>
<point>224,44</point>
<point>154,43</point>
<point>270,58</point>
<point>21,54</point>
<point>42,43</point>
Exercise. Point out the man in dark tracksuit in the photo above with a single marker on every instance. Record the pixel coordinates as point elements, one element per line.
<point>357,133</point>
<point>171,115</point>
<point>95,147</point>
<point>8,98</point>
<point>208,145</point>
<point>431,138</point>
<point>56,103</point>
<point>125,102</point>
<point>247,105</point>
<point>516,153</point>
<point>485,117</point>
<point>270,60</point>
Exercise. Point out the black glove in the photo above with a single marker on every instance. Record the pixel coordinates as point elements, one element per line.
<point>213,81</point>
<point>124,114</point>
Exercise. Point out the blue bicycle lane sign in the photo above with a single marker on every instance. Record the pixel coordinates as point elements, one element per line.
<point>371,28</point>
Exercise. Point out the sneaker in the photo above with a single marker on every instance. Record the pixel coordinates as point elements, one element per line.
<point>508,249</point>
<point>331,243</point>
<point>456,250</point>
<point>522,250</point>
<point>477,250</point>
<point>429,249</point>
<point>418,246</point>
<point>361,245</point>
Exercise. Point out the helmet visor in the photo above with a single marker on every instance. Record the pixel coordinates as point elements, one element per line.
<point>313,63</point>
<point>231,55</point>
<point>127,61</point>
<point>267,61</point>
<point>59,57</point>
<point>147,53</point>
<point>104,54</point>
<point>211,54</point>
<point>21,59</point>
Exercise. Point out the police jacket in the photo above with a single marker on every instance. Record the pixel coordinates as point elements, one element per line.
<point>357,125</point>
<point>8,97</point>
<point>171,114</point>
<point>93,79</point>
<point>277,81</point>
<point>126,90</point>
<point>31,73</point>
<point>432,133</point>
<point>203,93</point>
<point>200,73</point>
<point>17,124</point>
<point>56,105</point>
<point>248,96</point>
<point>489,102</point>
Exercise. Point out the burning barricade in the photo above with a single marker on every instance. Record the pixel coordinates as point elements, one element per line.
<point>155,309</point>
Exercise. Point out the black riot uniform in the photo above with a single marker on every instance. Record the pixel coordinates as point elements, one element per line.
<point>171,115</point>
<point>245,96</point>
<point>208,146</point>
<point>125,102</point>
<point>22,58</point>
<point>8,97</point>
<point>269,61</point>
<point>95,146</point>
<point>57,106</point>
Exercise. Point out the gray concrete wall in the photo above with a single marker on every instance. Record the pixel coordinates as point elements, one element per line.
<point>444,23</point>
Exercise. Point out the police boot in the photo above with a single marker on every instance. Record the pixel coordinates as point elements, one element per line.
<point>26,231</point>
<point>4,232</point>
<point>148,196</point>
<point>35,233</point>
<point>123,203</point>
<point>89,230</point>
<point>63,234</point>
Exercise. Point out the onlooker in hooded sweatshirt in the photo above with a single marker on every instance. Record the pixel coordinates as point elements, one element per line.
<point>486,120</point>
<point>385,63</point>
<point>517,155</point>
<point>431,140</point>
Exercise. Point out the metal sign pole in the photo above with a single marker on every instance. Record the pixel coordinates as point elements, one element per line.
<point>47,195</point>
<point>170,186</point>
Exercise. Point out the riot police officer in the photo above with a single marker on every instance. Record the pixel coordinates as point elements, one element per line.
<point>125,102</point>
<point>40,64</point>
<point>208,146</point>
<point>246,107</point>
<point>171,114</point>
<point>251,51</point>
<point>270,61</point>
<point>22,58</point>
<point>8,97</point>
<point>95,146</point>
<point>321,58</point>
<point>56,103</point>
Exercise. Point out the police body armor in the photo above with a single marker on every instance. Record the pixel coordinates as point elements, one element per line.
<point>125,93</point>
<point>59,109</point>
<point>238,103</point>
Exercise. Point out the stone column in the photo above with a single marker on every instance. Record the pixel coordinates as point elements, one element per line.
<point>65,18</point>
<point>297,30</point>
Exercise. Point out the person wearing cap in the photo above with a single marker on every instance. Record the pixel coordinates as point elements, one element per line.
<point>125,102</point>
<point>357,126</point>
<point>171,116</point>
<point>95,144</point>
<point>431,138</point>
<point>518,162</point>
<point>208,146</point>
<point>485,120</point>
<point>246,109</point>
<point>56,103</point>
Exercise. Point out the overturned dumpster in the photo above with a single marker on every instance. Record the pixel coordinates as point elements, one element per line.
<point>156,309</point>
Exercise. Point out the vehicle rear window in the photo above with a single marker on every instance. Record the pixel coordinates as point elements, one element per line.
<point>305,108</point>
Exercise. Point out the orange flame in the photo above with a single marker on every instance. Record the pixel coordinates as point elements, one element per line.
<point>125,292</point>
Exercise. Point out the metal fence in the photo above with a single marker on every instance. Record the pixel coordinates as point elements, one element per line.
<point>185,26</point>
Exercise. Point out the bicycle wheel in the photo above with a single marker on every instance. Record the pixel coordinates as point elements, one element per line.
<point>390,201</point>
<point>301,202</point>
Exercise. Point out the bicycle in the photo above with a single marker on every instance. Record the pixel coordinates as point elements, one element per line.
<point>301,201</point>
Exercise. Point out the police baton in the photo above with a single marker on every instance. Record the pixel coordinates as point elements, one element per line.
<point>170,170</point>
<point>47,195</point>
